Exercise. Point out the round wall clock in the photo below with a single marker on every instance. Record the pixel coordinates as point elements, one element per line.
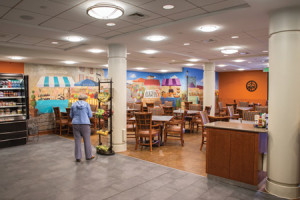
<point>251,86</point>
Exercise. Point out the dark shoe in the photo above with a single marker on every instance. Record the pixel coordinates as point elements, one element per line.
<point>78,160</point>
<point>91,158</point>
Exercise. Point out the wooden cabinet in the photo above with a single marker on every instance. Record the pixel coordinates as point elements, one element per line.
<point>235,155</point>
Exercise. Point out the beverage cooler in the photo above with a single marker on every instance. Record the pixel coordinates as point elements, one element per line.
<point>14,109</point>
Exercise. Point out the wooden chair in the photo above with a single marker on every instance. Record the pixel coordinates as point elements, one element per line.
<point>145,129</point>
<point>94,108</point>
<point>168,103</point>
<point>168,110</point>
<point>249,115</point>
<point>232,115</point>
<point>234,107</point>
<point>69,120</point>
<point>130,126</point>
<point>204,120</point>
<point>138,106</point>
<point>207,109</point>
<point>59,121</point>
<point>222,110</point>
<point>156,111</point>
<point>243,103</point>
<point>261,109</point>
<point>187,104</point>
<point>175,129</point>
<point>149,105</point>
<point>95,122</point>
<point>157,103</point>
<point>195,107</point>
<point>130,105</point>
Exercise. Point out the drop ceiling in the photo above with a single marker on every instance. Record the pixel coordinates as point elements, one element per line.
<point>29,28</point>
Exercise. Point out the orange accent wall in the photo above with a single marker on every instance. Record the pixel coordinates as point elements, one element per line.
<point>11,67</point>
<point>232,85</point>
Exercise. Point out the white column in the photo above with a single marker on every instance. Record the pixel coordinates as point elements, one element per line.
<point>209,82</point>
<point>283,166</point>
<point>117,69</point>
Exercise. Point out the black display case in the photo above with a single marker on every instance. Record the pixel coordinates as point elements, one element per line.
<point>14,109</point>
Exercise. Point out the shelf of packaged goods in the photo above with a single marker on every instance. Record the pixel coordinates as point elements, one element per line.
<point>12,115</point>
<point>15,106</point>
<point>16,97</point>
<point>11,88</point>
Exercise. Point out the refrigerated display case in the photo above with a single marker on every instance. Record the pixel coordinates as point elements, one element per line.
<point>14,109</point>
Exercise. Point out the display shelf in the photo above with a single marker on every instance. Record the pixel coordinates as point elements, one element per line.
<point>14,115</point>
<point>16,97</point>
<point>11,88</point>
<point>16,106</point>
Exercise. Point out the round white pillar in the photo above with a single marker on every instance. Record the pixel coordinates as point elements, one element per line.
<point>284,106</point>
<point>209,82</point>
<point>117,70</point>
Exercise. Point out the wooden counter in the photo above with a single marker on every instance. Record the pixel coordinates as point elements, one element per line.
<point>235,151</point>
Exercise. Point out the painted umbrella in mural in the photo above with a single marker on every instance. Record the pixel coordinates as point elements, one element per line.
<point>173,81</point>
<point>55,81</point>
<point>86,82</point>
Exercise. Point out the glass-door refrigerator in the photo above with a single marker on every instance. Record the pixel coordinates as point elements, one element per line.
<point>14,109</point>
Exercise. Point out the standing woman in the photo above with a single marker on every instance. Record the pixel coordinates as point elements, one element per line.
<point>81,114</point>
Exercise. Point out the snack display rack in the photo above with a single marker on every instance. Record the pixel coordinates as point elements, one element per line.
<point>14,109</point>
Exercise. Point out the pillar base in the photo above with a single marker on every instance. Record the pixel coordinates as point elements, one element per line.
<point>119,147</point>
<point>283,190</point>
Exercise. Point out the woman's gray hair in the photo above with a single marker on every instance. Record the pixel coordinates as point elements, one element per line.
<point>82,97</point>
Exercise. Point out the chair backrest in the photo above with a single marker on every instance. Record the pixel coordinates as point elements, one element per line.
<point>150,105</point>
<point>204,117</point>
<point>249,115</point>
<point>137,106</point>
<point>94,108</point>
<point>168,103</point>
<point>261,109</point>
<point>195,107</point>
<point>143,120</point>
<point>156,111</point>
<point>220,105</point>
<point>230,110</point>
<point>187,104</point>
<point>157,103</point>
<point>57,113</point>
<point>207,109</point>
<point>130,105</point>
<point>168,110</point>
<point>68,113</point>
<point>243,103</point>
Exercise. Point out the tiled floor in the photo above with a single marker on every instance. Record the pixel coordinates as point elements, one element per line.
<point>47,171</point>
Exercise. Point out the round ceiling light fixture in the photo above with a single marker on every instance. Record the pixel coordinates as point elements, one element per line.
<point>156,38</point>
<point>168,7</point>
<point>208,28</point>
<point>105,11</point>
<point>111,24</point>
<point>95,50</point>
<point>69,62</point>
<point>16,57</point>
<point>193,59</point>
<point>229,51</point>
<point>149,51</point>
<point>74,38</point>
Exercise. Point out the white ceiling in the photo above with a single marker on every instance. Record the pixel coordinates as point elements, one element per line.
<point>28,28</point>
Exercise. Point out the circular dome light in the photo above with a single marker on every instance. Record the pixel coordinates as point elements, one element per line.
<point>221,65</point>
<point>105,11</point>
<point>168,7</point>
<point>149,51</point>
<point>95,50</point>
<point>238,60</point>
<point>193,59</point>
<point>163,70</point>
<point>156,38</point>
<point>140,68</point>
<point>208,28</point>
<point>241,69</point>
<point>74,38</point>
<point>110,24</point>
<point>69,62</point>
<point>229,51</point>
<point>189,64</point>
<point>186,44</point>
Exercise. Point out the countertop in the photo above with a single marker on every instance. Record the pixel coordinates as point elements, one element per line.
<point>236,126</point>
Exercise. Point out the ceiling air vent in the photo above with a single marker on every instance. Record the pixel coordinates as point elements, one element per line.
<point>137,16</point>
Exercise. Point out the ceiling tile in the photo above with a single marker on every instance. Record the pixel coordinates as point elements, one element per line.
<point>157,21</point>
<point>6,36</point>
<point>23,39</point>
<point>61,24</point>
<point>135,20</point>
<point>119,24</point>
<point>3,10</point>
<point>76,14</point>
<point>201,3</point>
<point>90,30</point>
<point>44,7</point>
<point>110,34</point>
<point>157,6</point>
<point>68,2</point>
<point>136,2</point>
<point>130,28</point>
<point>9,3</point>
<point>25,17</point>
<point>186,14</point>
<point>224,5</point>
<point>48,43</point>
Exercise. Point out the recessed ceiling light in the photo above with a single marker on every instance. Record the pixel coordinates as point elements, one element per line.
<point>16,57</point>
<point>140,68</point>
<point>189,64</point>
<point>241,69</point>
<point>54,42</point>
<point>74,38</point>
<point>229,51</point>
<point>235,37</point>
<point>69,62</point>
<point>208,28</point>
<point>128,53</point>
<point>186,44</point>
<point>156,38</point>
<point>96,50</point>
<point>106,65</point>
<point>163,70</point>
<point>105,11</point>
<point>265,51</point>
<point>193,59</point>
<point>110,24</point>
<point>238,60</point>
<point>221,65</point>
<point>168,7</point>
<point>149,51</point>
